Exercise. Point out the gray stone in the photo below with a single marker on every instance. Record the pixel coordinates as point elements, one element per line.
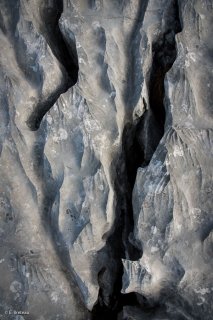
<point>106,159</point>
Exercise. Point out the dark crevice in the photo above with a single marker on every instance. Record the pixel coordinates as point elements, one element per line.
<point>43,107</point>
<point>164,54</point>
<point>66,55</point>
<point>117,300</point>
<point>140,140</point>
<point>134,158</point>
<point>118,242</point>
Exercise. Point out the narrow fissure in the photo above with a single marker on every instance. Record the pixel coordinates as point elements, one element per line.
<point>65,54</point>
<point>118,242</point>
<point>140,141</point>
<point>164,53</point>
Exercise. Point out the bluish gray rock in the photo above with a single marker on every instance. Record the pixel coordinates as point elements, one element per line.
<point>106,159</point>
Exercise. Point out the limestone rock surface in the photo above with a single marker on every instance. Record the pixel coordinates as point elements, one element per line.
<point>106,159</point>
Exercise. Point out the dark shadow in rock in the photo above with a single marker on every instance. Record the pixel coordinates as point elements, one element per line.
<point>140,140</point>
<point>164,54</point>
<point>62,50</point>
<point>66,53</point>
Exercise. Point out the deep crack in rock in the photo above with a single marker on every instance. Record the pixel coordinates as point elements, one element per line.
<point>140,140</point>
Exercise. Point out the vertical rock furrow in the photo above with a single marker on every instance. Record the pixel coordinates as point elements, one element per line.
<point>166,200</point>
<point>64,51</point>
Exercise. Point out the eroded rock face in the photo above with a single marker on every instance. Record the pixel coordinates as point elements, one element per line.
<point>105,159</point>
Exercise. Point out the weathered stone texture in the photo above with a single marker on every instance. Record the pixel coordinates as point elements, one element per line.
<point>106,159</point>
